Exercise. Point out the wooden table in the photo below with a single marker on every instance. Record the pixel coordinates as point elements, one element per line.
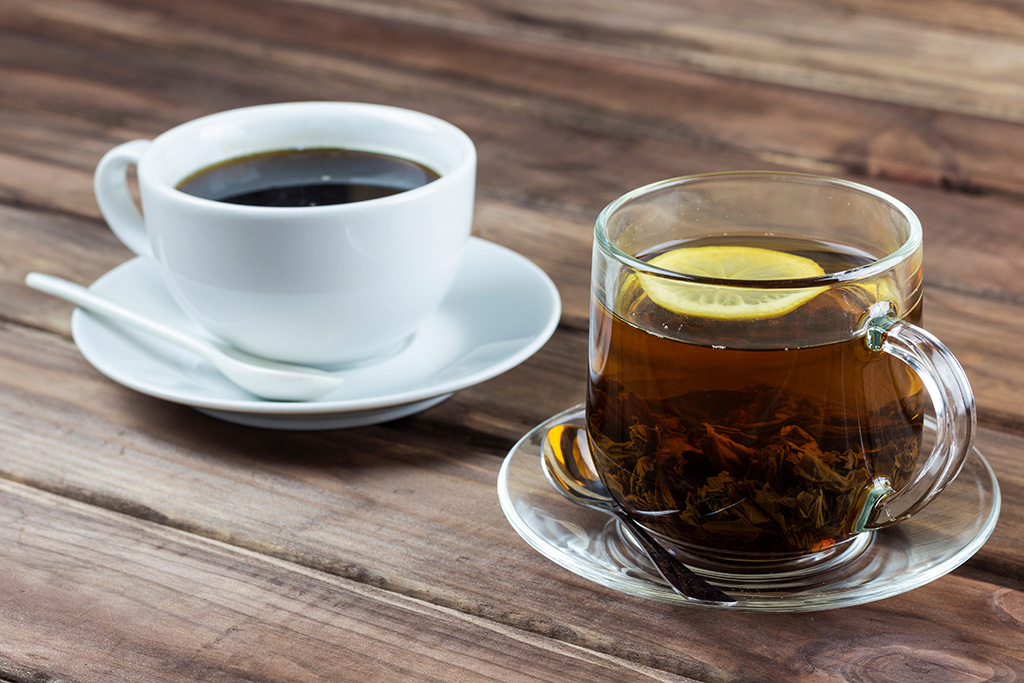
<point>141,540</point>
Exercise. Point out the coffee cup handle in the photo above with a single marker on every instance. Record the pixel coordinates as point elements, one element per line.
<point>115,199</point>
<point>955,416</point>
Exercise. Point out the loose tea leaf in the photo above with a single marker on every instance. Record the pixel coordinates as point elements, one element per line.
<point>740,436</point>
<point>750,470</point>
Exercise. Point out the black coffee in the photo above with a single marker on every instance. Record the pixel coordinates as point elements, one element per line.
<point>306,177</point>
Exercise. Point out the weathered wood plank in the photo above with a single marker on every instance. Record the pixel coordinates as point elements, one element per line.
<point>395,507</point>
<point>524,159</point>
<point>81,582</point>
<point>502,409</point>
<point>354,54</point>
<point>969,240</point>
<point>973,297</point>
<point>570,105</point>
<point>957,57</point>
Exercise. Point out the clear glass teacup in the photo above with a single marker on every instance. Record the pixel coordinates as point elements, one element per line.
<point>758,373</point>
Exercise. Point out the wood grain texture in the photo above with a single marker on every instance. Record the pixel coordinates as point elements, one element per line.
<point>348,51</point>
<point>141,540</point>
<point>974,309</point>
<point>393,508</point>
<point>88,582</point>
<point>960,58</point>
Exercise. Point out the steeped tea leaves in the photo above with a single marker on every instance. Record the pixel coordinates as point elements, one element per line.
<point>726,468</point>
<point>730,263</point>
<point>737,434</point>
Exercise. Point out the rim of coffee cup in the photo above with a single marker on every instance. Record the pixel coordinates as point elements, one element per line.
<point>876,267</point>
<point>460,141</point>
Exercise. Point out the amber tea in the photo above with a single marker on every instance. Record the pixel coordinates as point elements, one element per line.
<point>747,446</point>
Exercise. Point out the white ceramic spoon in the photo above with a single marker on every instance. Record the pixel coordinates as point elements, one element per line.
<point>260,376</point>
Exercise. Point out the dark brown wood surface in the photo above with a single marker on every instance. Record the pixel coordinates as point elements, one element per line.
<point>143,541</point>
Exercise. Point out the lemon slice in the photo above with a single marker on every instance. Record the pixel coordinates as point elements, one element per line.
<point>730,263</point>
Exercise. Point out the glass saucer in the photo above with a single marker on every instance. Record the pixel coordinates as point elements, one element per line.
<point>591,544</point>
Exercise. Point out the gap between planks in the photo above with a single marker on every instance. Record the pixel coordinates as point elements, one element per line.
<point>178,537</point>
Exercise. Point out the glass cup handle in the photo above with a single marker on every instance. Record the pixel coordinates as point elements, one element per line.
<point>114,198</point>
<point>955,417</point>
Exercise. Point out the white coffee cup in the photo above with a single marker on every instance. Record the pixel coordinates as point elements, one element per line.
<point>323,285</point>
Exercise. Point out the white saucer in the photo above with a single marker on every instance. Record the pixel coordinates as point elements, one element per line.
<point>932,543</point>
<point>501,310</point>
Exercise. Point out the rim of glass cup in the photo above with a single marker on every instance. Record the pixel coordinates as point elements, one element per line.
<point>867,270</point>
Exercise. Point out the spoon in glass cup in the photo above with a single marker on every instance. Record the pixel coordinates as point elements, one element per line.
<point>568,467</point>
<point>262,377</point>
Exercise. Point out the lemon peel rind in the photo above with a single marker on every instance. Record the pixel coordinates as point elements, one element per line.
<point>724,302</point>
